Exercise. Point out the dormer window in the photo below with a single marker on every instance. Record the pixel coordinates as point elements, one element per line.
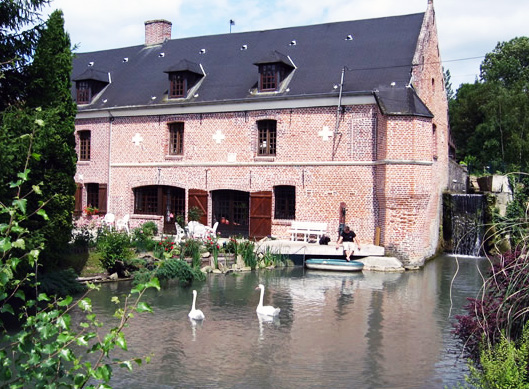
<point>182,78</point>
<point>273,70</point>
<point>84,92</point>
<point>178,85</point>
<point>270,77</point>
<point>89,84</point>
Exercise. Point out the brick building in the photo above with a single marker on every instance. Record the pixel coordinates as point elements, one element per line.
<point>261,128</point>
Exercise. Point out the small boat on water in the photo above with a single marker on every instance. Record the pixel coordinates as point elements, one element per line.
<point>333,264</point>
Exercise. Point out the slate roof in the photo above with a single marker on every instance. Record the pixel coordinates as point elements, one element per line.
<point>380,53</point>
<point>401,102</point>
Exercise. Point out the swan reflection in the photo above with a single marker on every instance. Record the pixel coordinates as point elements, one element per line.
<point>194,325</point>
<point>265,320</point>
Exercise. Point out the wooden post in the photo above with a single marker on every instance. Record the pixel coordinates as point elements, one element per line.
<point>377,236</point>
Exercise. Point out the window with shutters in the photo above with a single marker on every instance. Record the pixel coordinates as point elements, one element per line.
<point>92,195</point>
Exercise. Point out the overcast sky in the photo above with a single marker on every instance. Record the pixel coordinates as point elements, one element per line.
<point>467,28</point>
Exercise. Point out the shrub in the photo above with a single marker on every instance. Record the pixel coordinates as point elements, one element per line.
<point>503,366</point>
<point>194,214</point>
<point>176,268</point>
<point>150,229</point>
<point>61,283</point>
<point>170,269</point>
<point>503,308</point>
<point>142,239</point>
<point>113,246</point>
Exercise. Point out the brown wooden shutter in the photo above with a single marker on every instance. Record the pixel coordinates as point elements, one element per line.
<point>78,209</point>
<point>102,198</point>
<point>199,198</point>
<point>260,214</point>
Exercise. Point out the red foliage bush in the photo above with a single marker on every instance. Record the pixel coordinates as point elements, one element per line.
<point>503,307</point>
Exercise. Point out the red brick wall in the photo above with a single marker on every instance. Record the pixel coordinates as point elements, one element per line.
<point>157,31</point>
<point>390,171</point>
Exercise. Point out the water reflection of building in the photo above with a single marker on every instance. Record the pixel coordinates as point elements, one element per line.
<point>345,330</point>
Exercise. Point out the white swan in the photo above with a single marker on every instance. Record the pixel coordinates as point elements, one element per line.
<point>195,314</point>
<point>266,310</point>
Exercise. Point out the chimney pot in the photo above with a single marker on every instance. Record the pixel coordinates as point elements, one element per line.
<point>157,31</point>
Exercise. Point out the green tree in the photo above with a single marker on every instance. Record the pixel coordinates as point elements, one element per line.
<point>489,119</point>
<point>36,132</point>
<point>54,144</point>
<point>20,25</point>
<point>50,89</point>
<point>40,352</point>
<point>508,64</point>
<point>465,114</point>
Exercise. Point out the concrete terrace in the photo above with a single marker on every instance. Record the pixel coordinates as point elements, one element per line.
<point>370,255</point>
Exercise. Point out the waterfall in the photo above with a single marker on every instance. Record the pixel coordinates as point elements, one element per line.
<point>463,223</point>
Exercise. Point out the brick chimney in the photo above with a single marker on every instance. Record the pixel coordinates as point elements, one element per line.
<point>157,31</point>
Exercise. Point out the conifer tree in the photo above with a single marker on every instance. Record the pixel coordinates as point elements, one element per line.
<point>20,25</point>
<point>47,97</point>
<point>50,90</point>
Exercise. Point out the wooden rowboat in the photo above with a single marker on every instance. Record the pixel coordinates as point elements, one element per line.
<point>334,264</point>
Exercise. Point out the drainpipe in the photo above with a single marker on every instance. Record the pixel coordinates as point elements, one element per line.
<point>337,125</point>
<point>110,121</point>
<point>339,106</point>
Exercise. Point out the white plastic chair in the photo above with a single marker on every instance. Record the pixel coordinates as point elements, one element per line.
<point>211,231</point>
<point>123,223</point>
<point>196,229</point>
<point>180,232</point>
<point>109,219</point>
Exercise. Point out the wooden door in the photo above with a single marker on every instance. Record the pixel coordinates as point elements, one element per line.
<point>260,214</point>
<point>103,198</point>
<point>199,198</point>
<point>78,210</point>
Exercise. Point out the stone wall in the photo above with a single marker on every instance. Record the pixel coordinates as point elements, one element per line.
<point>458,181</point>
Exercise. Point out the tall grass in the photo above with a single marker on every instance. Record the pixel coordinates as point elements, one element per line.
<point>246,249</point>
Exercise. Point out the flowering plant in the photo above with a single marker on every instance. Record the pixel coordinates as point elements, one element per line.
<point>213,247</point>
<point>164,248</point>
<point>89,210</point>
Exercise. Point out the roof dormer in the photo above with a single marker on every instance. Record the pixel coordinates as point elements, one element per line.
<point>89,84</point>
<point>183,77</point>
<point>273,70</point>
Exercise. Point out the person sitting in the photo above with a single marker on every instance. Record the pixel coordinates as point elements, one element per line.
<point>348,237</point>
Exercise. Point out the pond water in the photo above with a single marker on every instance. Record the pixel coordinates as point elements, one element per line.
<point>340,330</point>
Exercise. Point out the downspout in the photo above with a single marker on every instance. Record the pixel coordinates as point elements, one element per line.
<point>110,121</point>
<point>339,106</point>
<point>338,109</point>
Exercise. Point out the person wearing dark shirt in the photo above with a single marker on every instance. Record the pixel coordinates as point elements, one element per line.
<point>348,237</point>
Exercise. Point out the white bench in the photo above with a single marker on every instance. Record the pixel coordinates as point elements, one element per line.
<point>307,229</point>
